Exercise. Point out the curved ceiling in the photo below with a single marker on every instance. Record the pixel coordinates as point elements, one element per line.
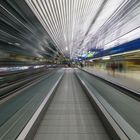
<point>49,28</point>
<point>78,25</point>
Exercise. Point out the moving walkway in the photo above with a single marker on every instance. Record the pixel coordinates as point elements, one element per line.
<point>70,104</point>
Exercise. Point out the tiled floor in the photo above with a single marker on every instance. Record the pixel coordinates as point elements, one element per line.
<point>70,115</point>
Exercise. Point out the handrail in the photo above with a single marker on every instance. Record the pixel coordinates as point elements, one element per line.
<point>122,88</point>
<point>10,89</point>
<point>24,105</point>
<point>116,125</point>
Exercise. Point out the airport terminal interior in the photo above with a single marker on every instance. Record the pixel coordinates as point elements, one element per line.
<point>69,69</point>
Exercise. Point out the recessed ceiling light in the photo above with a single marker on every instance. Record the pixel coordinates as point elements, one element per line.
<point>17,44</point>
<point>10,43</point>
<point>106,58</point>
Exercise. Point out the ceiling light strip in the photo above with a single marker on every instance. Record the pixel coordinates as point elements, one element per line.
<point>42,19</point>
<point>49,26</point>
<point>58,4</point>
<point>53,16</point>
<point>47,14</point>
<point>46,26</point>
<point>56,11</point>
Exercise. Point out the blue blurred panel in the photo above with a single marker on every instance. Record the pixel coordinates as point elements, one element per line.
<point>129,46</point>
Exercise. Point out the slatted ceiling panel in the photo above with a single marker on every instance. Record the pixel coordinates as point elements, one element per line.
<point>74,24</point>
<point>65,19</point>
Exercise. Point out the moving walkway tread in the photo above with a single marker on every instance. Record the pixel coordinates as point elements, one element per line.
<point>17,111</point>
<point>70,115</point>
